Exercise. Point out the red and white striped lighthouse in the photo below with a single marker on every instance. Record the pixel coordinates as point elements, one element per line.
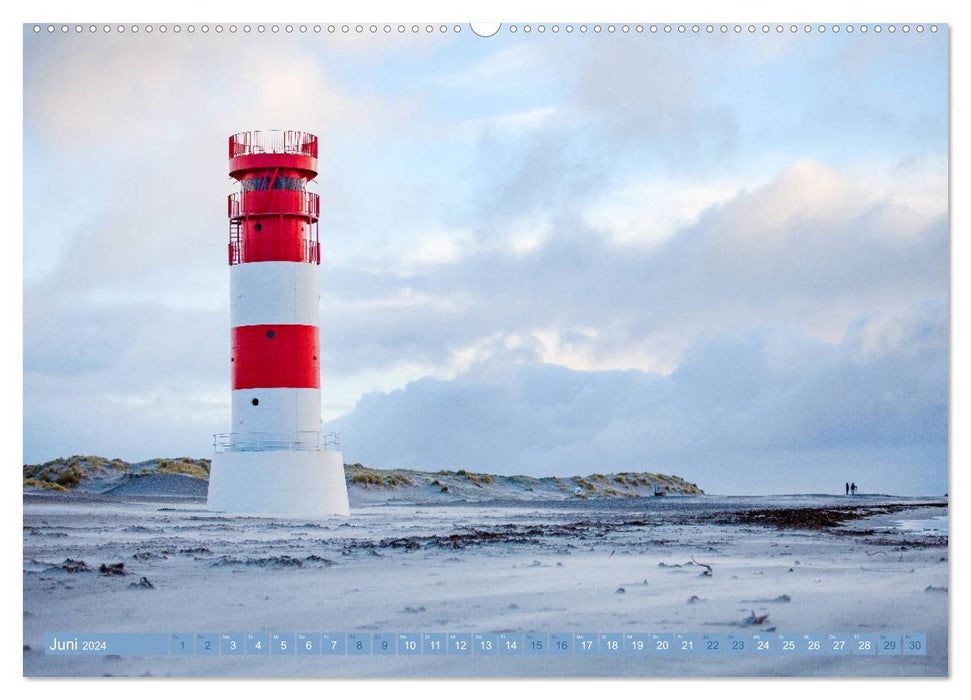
<point>275,459</point>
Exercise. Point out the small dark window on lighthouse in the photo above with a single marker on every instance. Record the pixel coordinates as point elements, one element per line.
<point>258,227</point>
<point>255,402</point>
<point>270,334</point>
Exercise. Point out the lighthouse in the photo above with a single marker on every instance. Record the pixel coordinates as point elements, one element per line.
<point>275,459</point>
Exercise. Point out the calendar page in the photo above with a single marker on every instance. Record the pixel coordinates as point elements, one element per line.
<point>525,349</point>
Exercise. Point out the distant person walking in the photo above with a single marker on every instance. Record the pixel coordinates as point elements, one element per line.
<point>853,488</point>
<point>847,488</point>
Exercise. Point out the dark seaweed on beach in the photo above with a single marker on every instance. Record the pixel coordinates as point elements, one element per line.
<point>809,518</point>
<point>506,534</point>
<point>281,561</point>
<point>150,555</point>
<point>905,544</point>
<point>113,569</point>
<point>74,566</point>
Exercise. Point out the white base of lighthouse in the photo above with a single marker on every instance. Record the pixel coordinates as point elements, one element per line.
<point>304,483</point>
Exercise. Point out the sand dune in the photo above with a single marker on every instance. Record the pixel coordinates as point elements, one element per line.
<point>186,477</point>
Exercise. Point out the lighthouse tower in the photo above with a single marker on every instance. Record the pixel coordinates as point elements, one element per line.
<point>275,460</point>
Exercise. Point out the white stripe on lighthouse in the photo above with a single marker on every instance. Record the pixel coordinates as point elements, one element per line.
<point>264,293</point>
<point>276,410</point>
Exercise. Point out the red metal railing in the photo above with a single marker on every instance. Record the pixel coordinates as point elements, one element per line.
<point>251,142</point>
<point>310,249</point>
<point>235,242</point>
<point>274,202</point>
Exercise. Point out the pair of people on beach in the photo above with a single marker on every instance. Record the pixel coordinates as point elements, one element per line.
<point>850,488</point>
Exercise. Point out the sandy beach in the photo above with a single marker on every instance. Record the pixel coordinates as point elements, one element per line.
<point>701,564</point>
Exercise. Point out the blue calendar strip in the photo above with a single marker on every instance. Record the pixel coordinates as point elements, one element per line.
<point>656,644</point>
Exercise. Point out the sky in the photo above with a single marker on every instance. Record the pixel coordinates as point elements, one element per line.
<point>719,256</point>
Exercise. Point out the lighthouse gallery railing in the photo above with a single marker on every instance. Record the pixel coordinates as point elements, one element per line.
<point>253,142</point>
<point>267,202</point>
<point>264,442</point>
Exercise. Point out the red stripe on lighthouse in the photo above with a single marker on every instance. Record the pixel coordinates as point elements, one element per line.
<point>276,356</point>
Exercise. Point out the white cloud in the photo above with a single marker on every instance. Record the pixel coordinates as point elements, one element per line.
<point>768,411</point>
<point>340,392</point>
<point>805,249</point>
<point>918,184</point>
<point>405,298</point>
<point>497,71</point>
<point>588,349</point>
<point>438,250</point>
<point>147,92</point>
<point>648,212</point>
<point>503,126</point>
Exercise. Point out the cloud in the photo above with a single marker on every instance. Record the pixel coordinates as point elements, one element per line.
<point>812,248</point>
<point>132,132</point>
<point>643,93</point>
<point>648,212</point>
<point>154,92</point>
<point>517,66</point>
<point>134,381</point>
<point>774,397</point>
<point>505,126</point>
